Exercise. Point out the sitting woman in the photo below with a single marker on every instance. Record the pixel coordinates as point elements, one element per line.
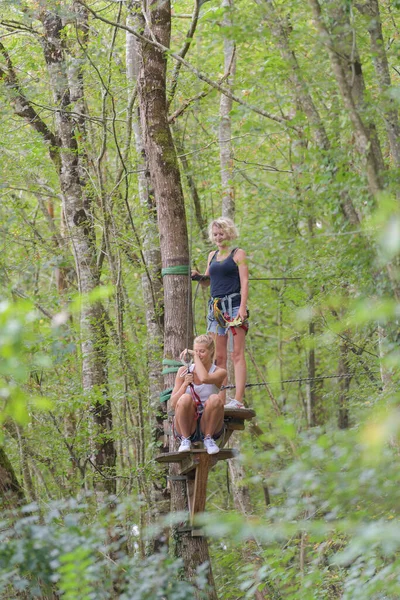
<point>196,398</point>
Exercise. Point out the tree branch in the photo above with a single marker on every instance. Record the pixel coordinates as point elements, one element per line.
<point>23,108</point>
<point>278,119</point>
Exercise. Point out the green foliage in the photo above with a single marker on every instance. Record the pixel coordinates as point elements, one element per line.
<point>331,528</point>
<point>19,357</point>
<point>61,551</point>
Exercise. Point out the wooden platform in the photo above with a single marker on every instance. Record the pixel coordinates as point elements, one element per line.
<point>244,414</point>
<point>180,457</point>
<point>193,469</point>
<point>195,464</point>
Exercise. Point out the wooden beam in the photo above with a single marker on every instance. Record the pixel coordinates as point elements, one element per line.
<point>191,457</point>
<point>197,486</point>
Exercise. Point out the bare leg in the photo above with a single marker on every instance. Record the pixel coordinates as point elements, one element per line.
<point>185,416</point>
<point>221,356</point>
<point>212,419</point>
<point>239,362</point>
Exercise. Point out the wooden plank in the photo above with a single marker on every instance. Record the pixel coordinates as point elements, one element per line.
<point>197,532</point>
<point>199,490</point>
<point>190,459</point>
<point>243,414</point>
<point>234,425</point>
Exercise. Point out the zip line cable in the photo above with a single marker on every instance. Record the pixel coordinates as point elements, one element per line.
<point>347,376</point>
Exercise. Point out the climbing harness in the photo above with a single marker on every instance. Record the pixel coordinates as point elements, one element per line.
<point>195,397</point>
<point>223,317</point>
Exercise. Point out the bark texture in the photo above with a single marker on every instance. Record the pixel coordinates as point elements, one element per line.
<point>165,177</point>
<point>151,278</point>
<point>364,142</point>
<point>225,125</point>
<point>11,493</point>
<point>78,215</point>
<point>371,9</point>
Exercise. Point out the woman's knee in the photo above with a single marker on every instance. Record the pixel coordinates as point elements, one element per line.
<point>184,403</point>
<point>238,356</point>
<point>215,401</point>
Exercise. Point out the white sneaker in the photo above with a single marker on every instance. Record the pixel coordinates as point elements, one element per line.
<point>233,403</point>
<point>185,445</point>
<point>210,445</point>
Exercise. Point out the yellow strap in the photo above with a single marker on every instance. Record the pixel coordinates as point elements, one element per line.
<point>236,322</point>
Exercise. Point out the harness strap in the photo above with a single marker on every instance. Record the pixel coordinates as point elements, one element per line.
<point>223,317</point>
<point>196,399</point>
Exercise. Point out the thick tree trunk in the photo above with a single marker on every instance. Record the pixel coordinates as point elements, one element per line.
<point>165,177</point>
<point>78,216</point>
<point>151,278</point>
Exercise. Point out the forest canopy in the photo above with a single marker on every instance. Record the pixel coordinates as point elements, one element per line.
<point>125,128</point>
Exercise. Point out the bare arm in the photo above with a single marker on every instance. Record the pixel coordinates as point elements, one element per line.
<point>217,377</point>
<point>240,259</point>
<point>205,279</point>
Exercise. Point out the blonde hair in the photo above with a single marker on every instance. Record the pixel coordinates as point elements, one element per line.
<point>226,224</point>
<point>208,340</point>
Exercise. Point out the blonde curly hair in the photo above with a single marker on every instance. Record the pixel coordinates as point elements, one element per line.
<point>226,224</point>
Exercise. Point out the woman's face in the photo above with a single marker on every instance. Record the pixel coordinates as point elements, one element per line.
<point>202,351</point>
<point>219,236</point>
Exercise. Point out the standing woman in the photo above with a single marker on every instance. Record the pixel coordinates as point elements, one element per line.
<point>228,274</point>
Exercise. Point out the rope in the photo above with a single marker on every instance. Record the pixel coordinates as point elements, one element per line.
<point>228,387</point>
<point>172,366</point>
<point>176,270</point>
<point>166,395</point>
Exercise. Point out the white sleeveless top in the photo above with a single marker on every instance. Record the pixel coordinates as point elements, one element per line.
<point>204,390</point>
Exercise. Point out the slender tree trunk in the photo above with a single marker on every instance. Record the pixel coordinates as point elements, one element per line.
<point>311,372</point>
<point>363,141</point>
<point>165,177</point>
<point>344,384</point>
<point>371,9</point>
<point>240,491</point>
<point>225,124</point>
<point>78,214</point>
<point>281,32</point>
<point>345,45</point>
<point>11,493</point>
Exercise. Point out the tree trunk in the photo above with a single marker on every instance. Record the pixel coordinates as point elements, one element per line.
<point>151,278</point>
<point>11,493</point>
<point>346,49</point>
<point>281,31</point>
<point>344,384</point>
<point>371,9</point>
<point>78,214</point>
<point>225,125</point>
<point>240,491</point>
<point>165,177</point>
<point>363,141</point>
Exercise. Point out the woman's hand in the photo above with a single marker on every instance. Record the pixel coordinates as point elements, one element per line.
<point>188,379</point>
<point>185,353</point>
<point>242,314</point>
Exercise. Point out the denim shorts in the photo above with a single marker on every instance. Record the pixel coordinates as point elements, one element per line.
<point>212,324</point>
<point>197,435</point>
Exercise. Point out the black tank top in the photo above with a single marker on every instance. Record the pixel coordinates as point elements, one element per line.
<point>224,277</point>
